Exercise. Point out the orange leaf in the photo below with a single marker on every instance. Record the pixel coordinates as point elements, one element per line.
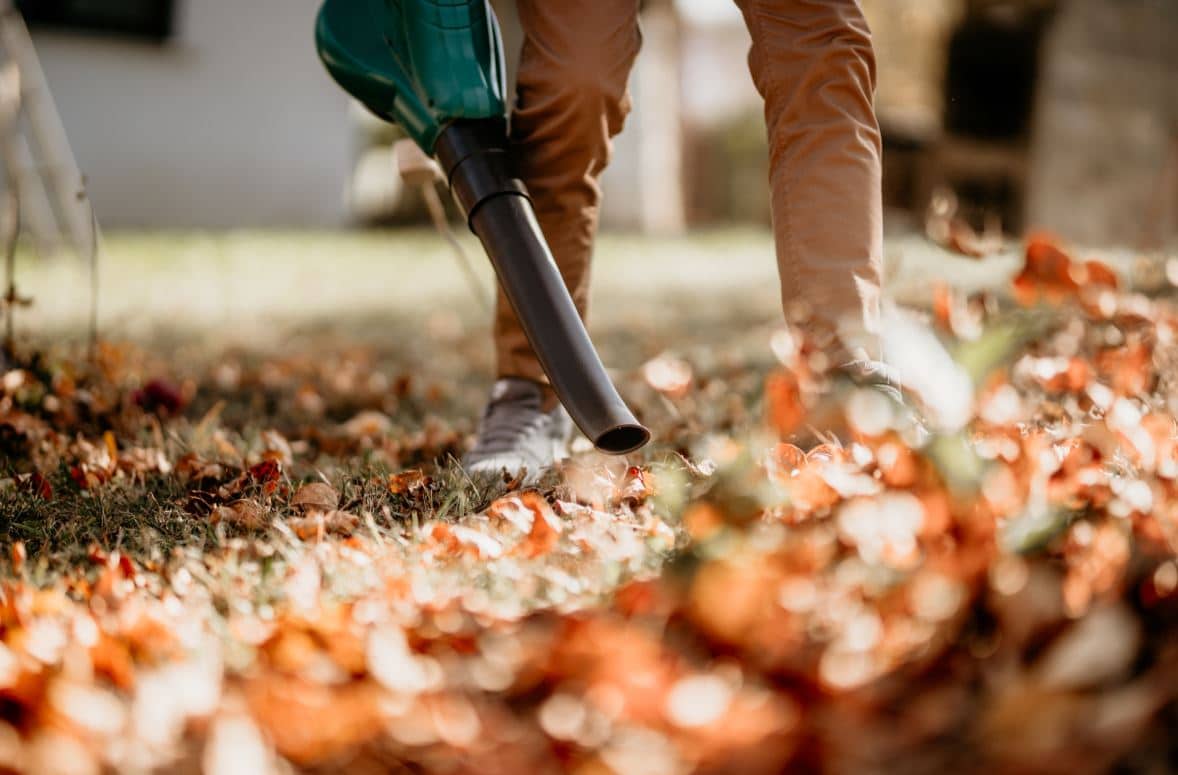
<point>407,481</point>
<point>1129,368</point>
<point>943,305</point>
<point>543,533</point>
<point>19,555</point>
<point>1097,273</point>
<point>784,461</point>
<point>1047,272</point>
<point>783,402</point>
<point>112,449</point>
<point>443,540</point>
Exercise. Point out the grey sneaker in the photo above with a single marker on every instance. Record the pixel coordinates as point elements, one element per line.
<point>516,434</point>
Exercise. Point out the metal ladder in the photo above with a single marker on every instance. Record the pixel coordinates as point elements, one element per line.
<point>39,166</point>
<point>45,193</point>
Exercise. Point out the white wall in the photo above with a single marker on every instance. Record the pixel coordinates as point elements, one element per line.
<point>231,123</point>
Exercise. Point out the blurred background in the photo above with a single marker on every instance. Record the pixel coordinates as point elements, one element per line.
<point>214,116</point>
<point>217,113</point>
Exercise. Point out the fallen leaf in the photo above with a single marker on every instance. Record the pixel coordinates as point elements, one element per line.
<point>247,514</point>
<point>668,375</point>
<point>407,481</point>
<point>367,424</point>
<point>316,495</point>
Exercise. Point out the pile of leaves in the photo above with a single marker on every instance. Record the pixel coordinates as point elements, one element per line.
<point>979,576</point>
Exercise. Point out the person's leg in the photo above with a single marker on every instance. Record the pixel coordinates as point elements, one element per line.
<point>813,64</point>
<point>571,99</point>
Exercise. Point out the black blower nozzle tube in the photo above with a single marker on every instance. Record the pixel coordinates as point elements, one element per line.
<point>474,155</point>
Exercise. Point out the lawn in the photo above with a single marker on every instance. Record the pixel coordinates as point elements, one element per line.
<point>239,542</point>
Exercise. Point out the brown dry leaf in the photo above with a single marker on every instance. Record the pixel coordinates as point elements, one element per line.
<point>192,468</point>
<point>267,473</point>
<point>224,446</point>
<point>316,496</point>
<point>35,484</point>
<point>367,424</point>
<point>318,523</point>
<point>844,594</point>
<point>277,448</point>
<point>87,477</point>
<point>964,240</point>
<point>407,481</point>
<point>943,226</point>
<point>958,236</point>
<point>343,522</point>
<point>245,513</point>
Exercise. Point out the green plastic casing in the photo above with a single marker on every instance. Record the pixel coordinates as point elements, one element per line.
<point>418,63</point>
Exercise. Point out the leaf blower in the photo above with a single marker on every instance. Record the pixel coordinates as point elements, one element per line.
<point>435,68</point>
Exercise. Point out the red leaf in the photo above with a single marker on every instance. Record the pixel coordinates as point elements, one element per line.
<point>160,396</point>
<point>35,484</point>
<point>267,473</point>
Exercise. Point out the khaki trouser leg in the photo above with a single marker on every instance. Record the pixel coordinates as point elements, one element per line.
<point>571,99</point>
<point>813,64</point>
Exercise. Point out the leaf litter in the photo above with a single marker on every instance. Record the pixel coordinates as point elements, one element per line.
<point>979,578</point>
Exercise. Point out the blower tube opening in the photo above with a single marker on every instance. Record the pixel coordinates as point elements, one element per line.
<point>622,439</point>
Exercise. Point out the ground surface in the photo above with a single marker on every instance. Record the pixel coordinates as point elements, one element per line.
<point>238,541</point>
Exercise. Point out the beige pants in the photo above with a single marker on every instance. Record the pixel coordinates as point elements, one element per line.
<point>811,61</point>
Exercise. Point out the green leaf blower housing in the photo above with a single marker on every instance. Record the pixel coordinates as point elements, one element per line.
<point>435,68</point>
